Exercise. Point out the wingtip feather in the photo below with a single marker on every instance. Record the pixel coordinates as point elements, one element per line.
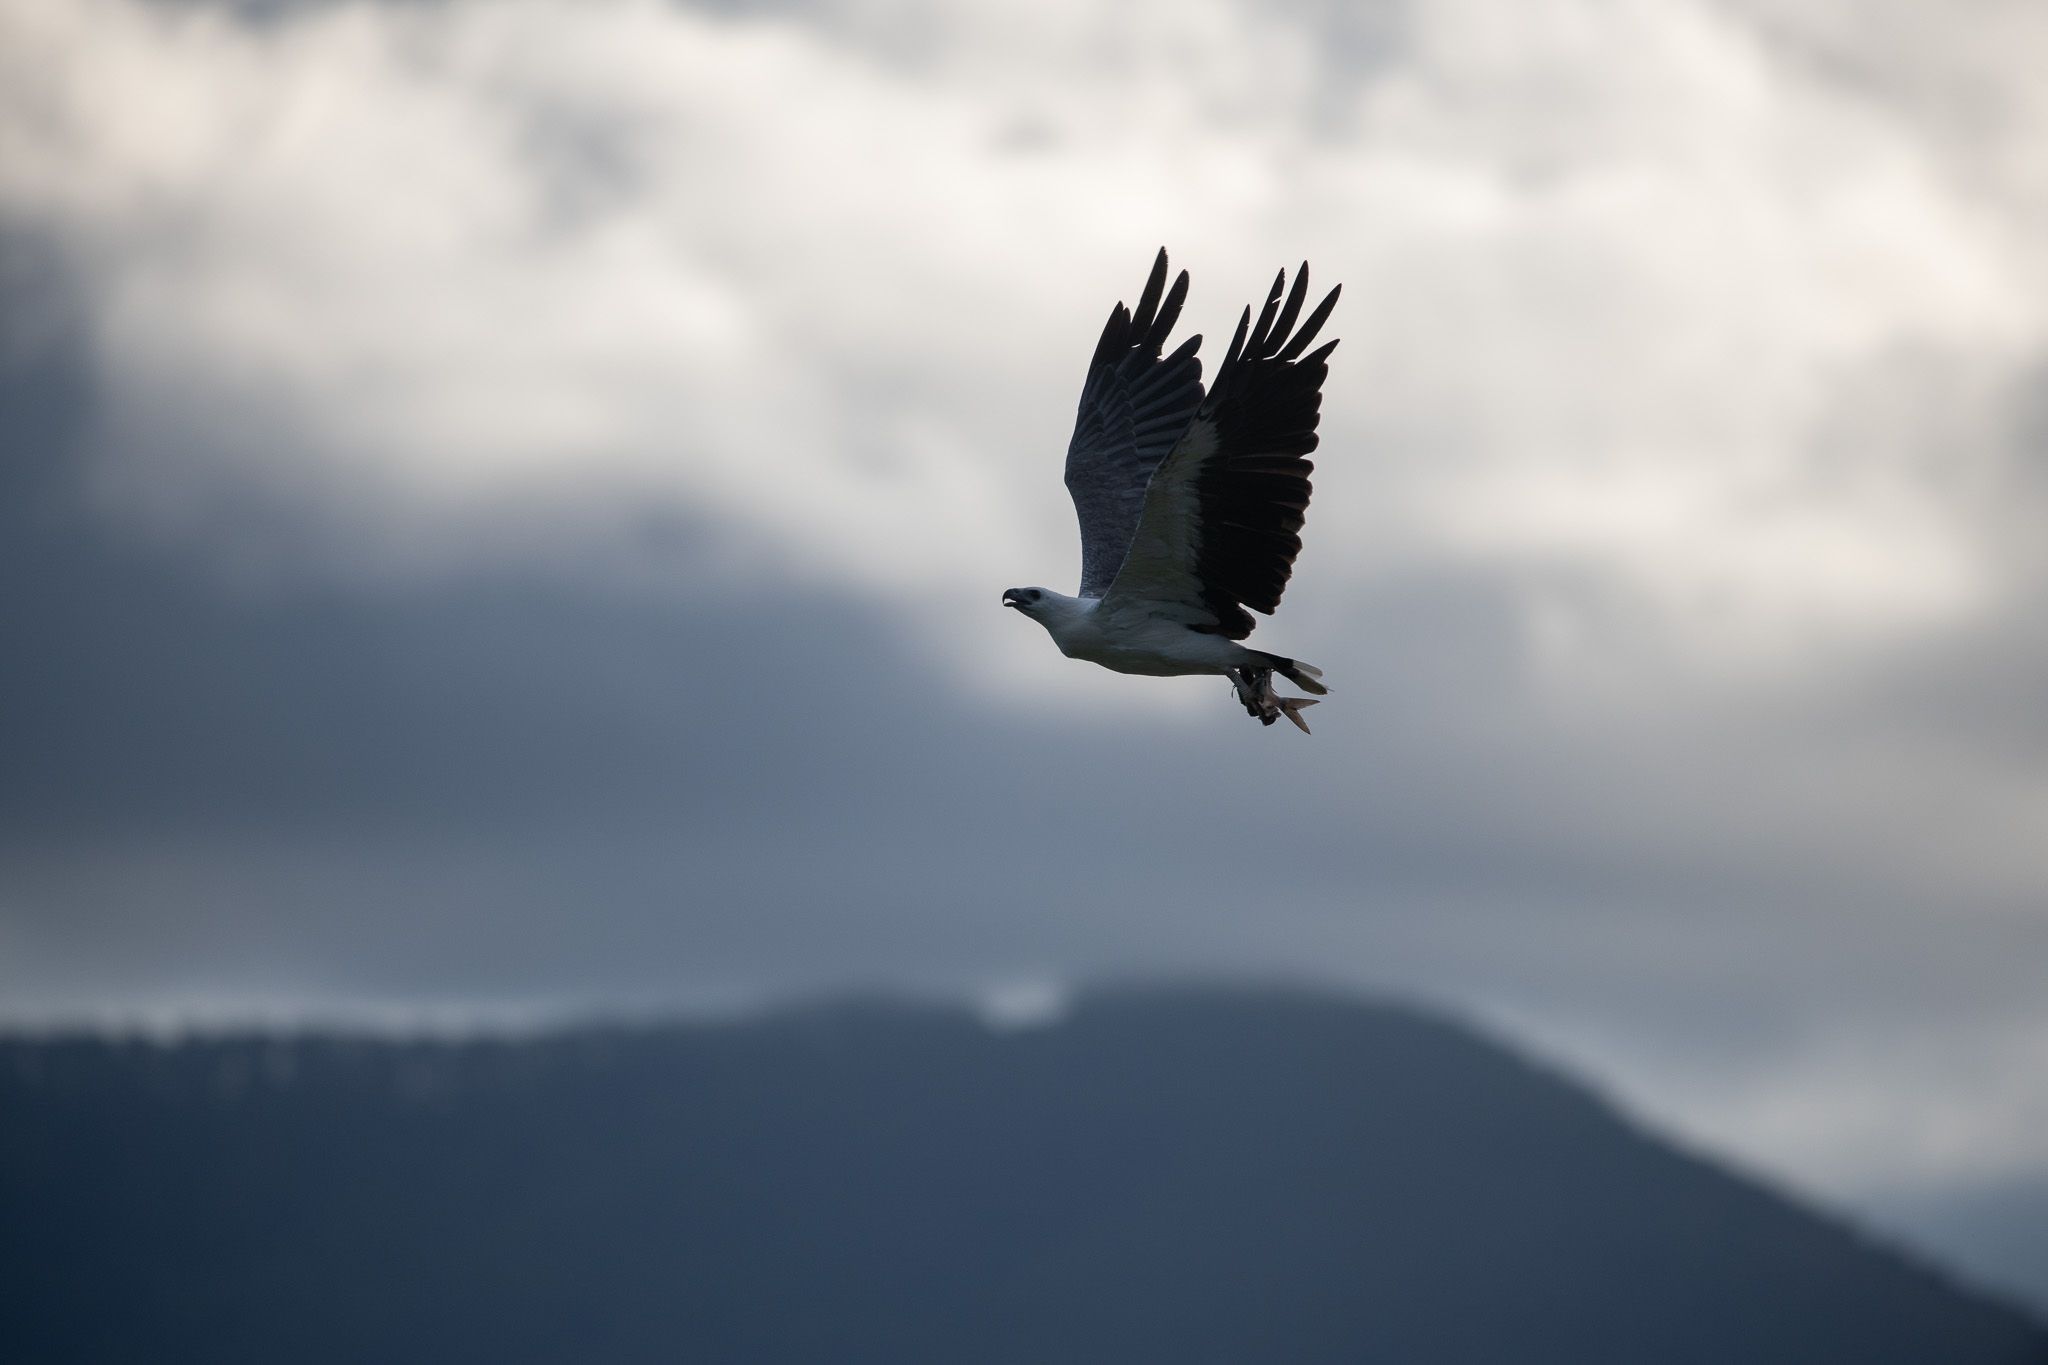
<point>1314,324</point>
<point>1148,302</point>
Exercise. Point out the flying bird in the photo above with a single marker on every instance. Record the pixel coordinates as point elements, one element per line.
<point>1190,501</point>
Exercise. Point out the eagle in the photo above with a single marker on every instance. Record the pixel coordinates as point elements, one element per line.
<point>1191,501</point>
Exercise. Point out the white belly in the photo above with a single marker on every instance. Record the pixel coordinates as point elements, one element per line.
<point>1137,641</point>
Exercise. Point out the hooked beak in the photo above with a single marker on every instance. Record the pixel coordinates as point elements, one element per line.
<point>1010,599</point>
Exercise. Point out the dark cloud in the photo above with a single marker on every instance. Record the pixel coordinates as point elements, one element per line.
<point>648,792</point>
<point>528,780</point>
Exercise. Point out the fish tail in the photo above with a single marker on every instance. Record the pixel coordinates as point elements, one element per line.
<point>1292,707</point>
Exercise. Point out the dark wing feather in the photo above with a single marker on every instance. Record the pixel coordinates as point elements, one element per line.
<point>1134,406</point>
<point>1222,519</point>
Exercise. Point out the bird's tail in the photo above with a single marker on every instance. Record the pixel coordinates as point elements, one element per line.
<point>1307,677</point>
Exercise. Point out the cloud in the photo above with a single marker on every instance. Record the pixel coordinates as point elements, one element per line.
<point>441,261</point>
<point>514,496</point>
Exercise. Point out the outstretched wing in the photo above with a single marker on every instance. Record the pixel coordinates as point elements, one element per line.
<point>1134,406</point>
<point>1222,516</point>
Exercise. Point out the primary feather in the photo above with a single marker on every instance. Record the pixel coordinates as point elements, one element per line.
<point>1135,404</point>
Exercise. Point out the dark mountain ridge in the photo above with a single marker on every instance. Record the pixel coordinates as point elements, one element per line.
<point>1159,1176</point>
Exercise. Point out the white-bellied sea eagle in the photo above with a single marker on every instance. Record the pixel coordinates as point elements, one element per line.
<point>1191,503</point>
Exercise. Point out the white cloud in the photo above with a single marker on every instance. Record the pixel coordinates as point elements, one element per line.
<point>1609,265</point>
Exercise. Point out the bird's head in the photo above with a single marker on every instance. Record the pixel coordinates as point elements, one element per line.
<point>1030,601</point>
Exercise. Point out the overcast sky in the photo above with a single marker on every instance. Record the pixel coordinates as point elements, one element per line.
<point>504,507</point>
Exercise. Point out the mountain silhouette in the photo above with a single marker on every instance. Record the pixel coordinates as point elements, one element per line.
<point>1168,1175</point>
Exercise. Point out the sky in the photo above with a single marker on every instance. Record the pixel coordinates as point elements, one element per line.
<point>504,507</point>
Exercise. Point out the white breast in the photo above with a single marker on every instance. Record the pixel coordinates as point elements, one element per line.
<point>1138,639</point>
